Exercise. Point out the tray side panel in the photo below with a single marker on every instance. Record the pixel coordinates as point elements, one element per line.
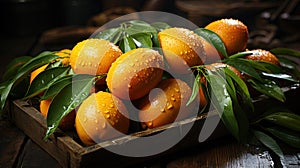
<point>33,125</point>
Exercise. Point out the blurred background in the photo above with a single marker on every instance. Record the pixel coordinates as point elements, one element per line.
<point>31,26</point>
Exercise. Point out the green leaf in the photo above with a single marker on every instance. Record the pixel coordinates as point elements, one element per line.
<point>160,26</point>
<point>127,44</point>
<point>223,103</point>
<point>264,66</point>
<point>243,67</point>
<point>13,67</point>
<point>268,142</point>
<point>142,40</point>
<point>56,87</point>
<point>289,137</point>
<point>44,80</point>
<point>285,119</point>
<point>213,39</point>
<point>135,27</point>
<point>268,88</point>
<point>19,89</point>
<point>195,90</point>
<point>281,76</point>
<point>240,96</point>
<point>5,93</point>
<point>287,63</point>
<point>117,37</point>
<point>238,80</point>
<point>38,61</point>
<point>69,98</point>
<point>286,51</point>
<point>108,34</point>
<point>155,40</point>
<point>41,59</point>
<point>241,54</point>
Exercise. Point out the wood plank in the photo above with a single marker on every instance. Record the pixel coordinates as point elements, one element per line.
<point>224,152</point>
<point>29,120</point>
<point>11,142</point>
<point>34,156</point>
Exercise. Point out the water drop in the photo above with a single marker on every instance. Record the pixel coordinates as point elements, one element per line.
<point>104,125</point>
<point>173,99</point>
<point>85,119</point>
<point>170,106</point>
<point>43,81</point>
<point>107,116</point>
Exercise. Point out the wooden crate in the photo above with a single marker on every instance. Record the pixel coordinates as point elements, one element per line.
<point>69,152</point>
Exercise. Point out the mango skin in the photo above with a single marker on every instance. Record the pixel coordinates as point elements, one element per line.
<point>166,104</point>
<point>135,73</point>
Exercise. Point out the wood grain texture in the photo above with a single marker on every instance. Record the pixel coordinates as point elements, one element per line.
<point>223,153</point>
<point>11,142</point>
<point>34,156</point>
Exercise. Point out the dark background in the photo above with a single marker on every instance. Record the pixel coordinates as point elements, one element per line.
<point>25,23</point>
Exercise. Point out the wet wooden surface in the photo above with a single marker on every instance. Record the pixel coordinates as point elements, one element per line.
<point>16,150</point>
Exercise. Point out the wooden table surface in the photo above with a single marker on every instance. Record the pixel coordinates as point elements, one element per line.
<point>17,150</point>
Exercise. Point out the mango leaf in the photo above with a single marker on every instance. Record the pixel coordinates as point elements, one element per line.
<point>287,63</point>
<point>244,67</point>
<point>264,66</point>
<point>56,87</point>
<point>223,103</point>
<point>286,51</point>
<point>238,80</point>
<point>240,96</point>
<point>213,39</point>
<point>127,44</point>
<point>155,40</point>
<point>195,90</point>
<point>142,40</point>
<point>20,89</point>
<point>284,119</point>
<point>108,34</point>
<point>41,59</point>
<point>160,26</point>
<point>268,142</point>
<point>13,67</point>
<point>280,76</point>
<point>136,26</point>
<point>53,64</point>
<point>290,66</point>
<point>44,80</point>
<point>268,88</point>
<point>241,54</point>
<point>117,37</point>
<point>70,97</point>
<point>289,137</point>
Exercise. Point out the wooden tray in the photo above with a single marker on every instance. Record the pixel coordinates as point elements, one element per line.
<point>70,153</point>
